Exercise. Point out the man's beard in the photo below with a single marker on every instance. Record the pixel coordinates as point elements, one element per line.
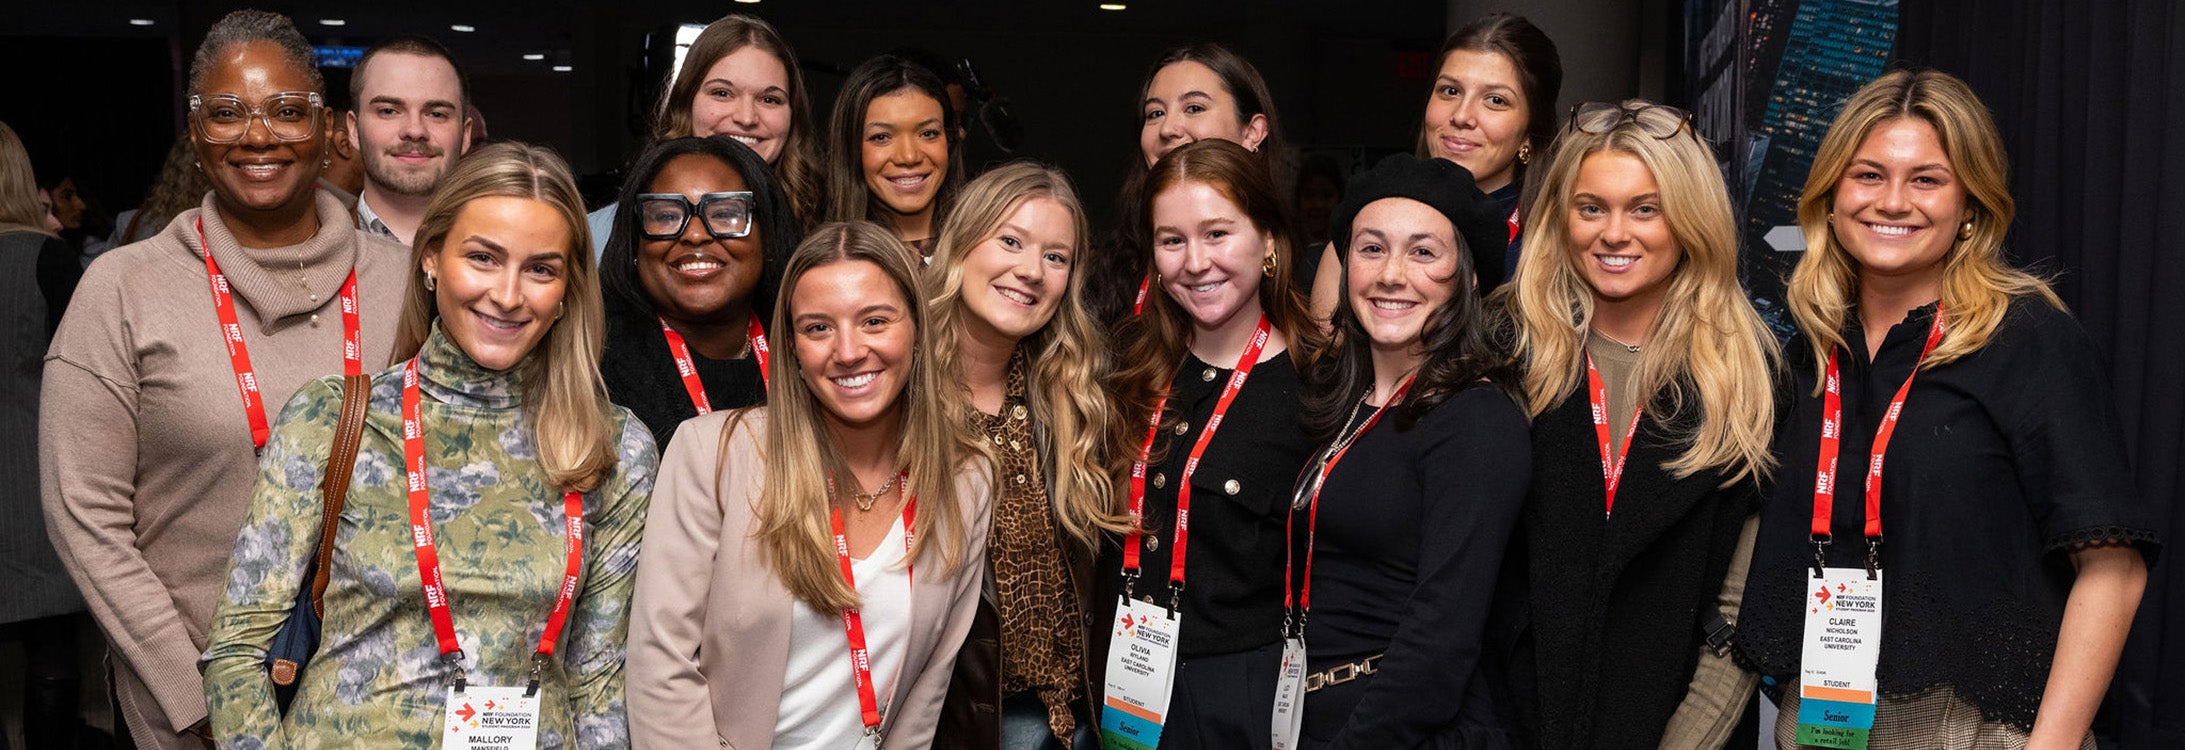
<point>384,171</point>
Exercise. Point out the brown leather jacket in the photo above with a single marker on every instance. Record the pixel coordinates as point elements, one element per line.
<point>971,714</point>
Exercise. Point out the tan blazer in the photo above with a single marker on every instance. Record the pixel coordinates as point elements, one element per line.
<point>709,633</point>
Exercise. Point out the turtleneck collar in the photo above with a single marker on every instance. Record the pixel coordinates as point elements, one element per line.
<point>280,282</point>
<point>449,375</point>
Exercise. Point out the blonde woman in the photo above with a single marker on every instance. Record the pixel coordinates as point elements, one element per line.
<point>1011,326</point>
<point>517,454</point>
<point>1649,379</point>
<point>2016,546</point>
<point>812,565</point>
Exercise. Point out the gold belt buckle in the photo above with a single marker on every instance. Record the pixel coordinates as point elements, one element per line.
<point>1342,673</point>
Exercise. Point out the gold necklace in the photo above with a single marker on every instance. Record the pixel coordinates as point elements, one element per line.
<point>1619,342</point>
<point>865,500</point>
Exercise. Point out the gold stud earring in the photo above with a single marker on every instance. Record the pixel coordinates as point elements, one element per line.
<point>1965,230</point>
<point>1525,152</point>
<point>1267,265</point>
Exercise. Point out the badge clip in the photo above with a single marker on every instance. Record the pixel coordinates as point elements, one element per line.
<point>538,665</point>
<point>1820,550</point>
<point>1175,598</point>
<point>455,662</point>
<point>1873,557</point>
<point>873,733</point>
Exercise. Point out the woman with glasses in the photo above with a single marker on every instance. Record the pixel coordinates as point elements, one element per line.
<point>740,79</point>
<point>700,233</point>
<point>1649,379</point>
<point>1492,111</point>
<point>495,565</point>
<point>177,352</point>
<point>812,565</point>
<point>1398,526</point>
<point>2007,543</point>
<point>897,161</point>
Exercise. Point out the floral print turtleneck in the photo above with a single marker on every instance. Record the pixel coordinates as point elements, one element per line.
<point>378,679</point>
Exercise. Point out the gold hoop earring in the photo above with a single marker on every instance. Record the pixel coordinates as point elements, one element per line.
<point>1525,152</point>
<point>1267,265</point>
<point>1965,230</point>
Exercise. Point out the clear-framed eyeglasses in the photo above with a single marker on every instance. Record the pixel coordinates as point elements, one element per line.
<point>289,116</point>
<point>664,216</point>
<point>1661,121</point>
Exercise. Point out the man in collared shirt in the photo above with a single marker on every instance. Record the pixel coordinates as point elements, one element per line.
<point>409,125</point>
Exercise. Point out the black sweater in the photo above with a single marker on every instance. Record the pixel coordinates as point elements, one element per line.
<point>1614,606</point>
<point>641,375</point>
<point>1411,535</point>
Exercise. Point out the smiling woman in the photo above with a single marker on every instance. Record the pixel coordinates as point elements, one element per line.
<point>149,446</point>
<point>1223,333</point>
<point>895,161</point>
<point>690,275</point>
<point>822,552</point>
<point>521,497</point>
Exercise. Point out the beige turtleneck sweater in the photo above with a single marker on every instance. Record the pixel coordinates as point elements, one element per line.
<point>145,454</point>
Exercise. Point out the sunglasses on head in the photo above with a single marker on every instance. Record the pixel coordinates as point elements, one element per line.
<point>1658,120</point>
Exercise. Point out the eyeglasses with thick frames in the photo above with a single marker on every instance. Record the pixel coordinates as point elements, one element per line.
<point>1661,121</point>
<point>664,216</point>
<point>289,116</point>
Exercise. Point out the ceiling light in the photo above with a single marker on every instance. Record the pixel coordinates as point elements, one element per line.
<point>534,56</point>
<point>748,1</point>
<point>563,68</point>
<point>463,27</point>
<point>140,22</point>
<point>332,22</point>
<point>1113,6</point>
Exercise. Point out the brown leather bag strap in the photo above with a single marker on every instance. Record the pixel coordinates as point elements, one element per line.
<point>341,460</point>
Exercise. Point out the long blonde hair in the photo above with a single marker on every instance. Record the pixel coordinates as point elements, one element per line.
<point>794,505</point>
<point>564,397</point>
<point>19,206</point>
<point>1708,349</point>
<point>1066,358</point>
<point>1977,283</point>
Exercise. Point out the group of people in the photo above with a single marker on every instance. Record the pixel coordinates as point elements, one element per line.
<point>779,450</point>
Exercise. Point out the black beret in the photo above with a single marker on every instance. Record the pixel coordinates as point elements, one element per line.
<point>1444,185</point>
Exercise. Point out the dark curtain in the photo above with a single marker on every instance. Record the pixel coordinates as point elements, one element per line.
<point>2090,96</point>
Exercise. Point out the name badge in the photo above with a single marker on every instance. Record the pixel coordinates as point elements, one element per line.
<point>491,718</point>
<point>1290,695</point>
<point>1141,674</point>
<point>1843,642</point>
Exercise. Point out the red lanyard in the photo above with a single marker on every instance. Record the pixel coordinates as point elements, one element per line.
<point>1832,427</point>
<point>687,366</point>
<point>1191,466</point>
<point>428,555</point>
<point>1304,599</point>
<point>853,621</point>
<point>1138,306</point>
<point>246,379</point>
<point>1612,468</point>
<point>1513,224</point>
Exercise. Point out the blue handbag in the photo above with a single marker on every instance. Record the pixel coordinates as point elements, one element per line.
<point>298,639</point>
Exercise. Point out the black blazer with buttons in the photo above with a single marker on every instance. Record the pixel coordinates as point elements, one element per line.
<point>1232,598</point>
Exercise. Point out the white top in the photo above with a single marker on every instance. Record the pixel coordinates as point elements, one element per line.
<point>819,708</point>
